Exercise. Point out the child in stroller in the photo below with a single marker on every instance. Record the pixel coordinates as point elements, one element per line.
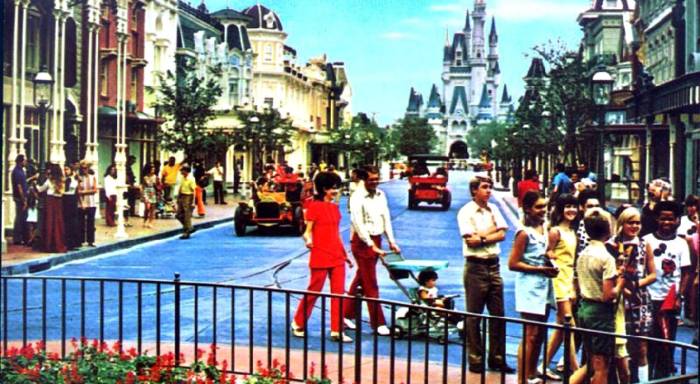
<point>428,291</point>
<point>420,322</point>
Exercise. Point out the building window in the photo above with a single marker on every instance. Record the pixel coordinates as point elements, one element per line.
<point>269,101</point>
<point>233,92</point>
<point>104,72</point>
<point>134,84</point>
<point>33,42</point>
<point>268,53</point>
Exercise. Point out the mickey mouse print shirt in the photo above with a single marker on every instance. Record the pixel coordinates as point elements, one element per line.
<point>669,257</point>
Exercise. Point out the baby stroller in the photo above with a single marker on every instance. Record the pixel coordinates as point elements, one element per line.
<point>427,323</point>
<point>165,209</point>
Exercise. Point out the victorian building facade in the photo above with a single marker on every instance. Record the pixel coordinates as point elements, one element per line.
<point>470,85</point>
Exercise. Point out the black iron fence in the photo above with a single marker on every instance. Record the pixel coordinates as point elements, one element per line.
<point>251,324</point>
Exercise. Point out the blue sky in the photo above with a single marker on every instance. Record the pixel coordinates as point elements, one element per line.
<point>388,46</point>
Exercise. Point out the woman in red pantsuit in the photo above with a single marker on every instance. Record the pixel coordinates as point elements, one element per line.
<point>327,257</point>
<point>54,210</point>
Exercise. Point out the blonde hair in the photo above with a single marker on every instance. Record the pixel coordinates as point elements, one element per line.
<point>625,216</point>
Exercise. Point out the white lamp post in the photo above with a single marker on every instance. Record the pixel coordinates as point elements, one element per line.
<point>43,95</point>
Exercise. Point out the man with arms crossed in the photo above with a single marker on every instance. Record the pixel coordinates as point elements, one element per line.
<point>482,227</point>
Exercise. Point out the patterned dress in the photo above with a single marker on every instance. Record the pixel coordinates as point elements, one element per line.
<point>149,189</point>
<point>638,316</point>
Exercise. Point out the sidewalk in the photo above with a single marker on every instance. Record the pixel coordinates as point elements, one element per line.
<point>22,260</point>
<point>508,202</point>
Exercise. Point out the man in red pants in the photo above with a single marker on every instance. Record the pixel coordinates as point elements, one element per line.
<point>369,214</point>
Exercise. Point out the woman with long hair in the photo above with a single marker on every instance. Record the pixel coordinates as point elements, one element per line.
<point>533,284</point>
<point>150,197</point>
<point>635,315</point>
<point>110,185</point>
<point>54,188</point>
<point>70,209</point>
<point>562,252</point>
<point>328,256</point>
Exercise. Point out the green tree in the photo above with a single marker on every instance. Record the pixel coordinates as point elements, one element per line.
<point>266,133</point>
<point>482,137</point>
<point>187,102</point>
<point>567,96</point>
<point>362,141</point>
<point>414,135</point>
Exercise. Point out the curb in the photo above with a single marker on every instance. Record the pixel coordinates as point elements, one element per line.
<point>39,265</point>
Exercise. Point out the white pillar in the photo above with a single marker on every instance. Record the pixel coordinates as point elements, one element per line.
<point>53,137</point>
<point>94,145</point>
<point>647,159</point>
<point>14,141</point>
<point>120,156</point>
<point>61,102</point>
<point>23,71</point>
<point>671,151</point>
<point>88,92</point>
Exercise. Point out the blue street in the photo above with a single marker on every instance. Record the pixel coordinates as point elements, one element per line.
<point>216,255</point>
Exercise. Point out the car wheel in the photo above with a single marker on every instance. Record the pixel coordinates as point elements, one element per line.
<point>239,222</point>
<point>446,200</point>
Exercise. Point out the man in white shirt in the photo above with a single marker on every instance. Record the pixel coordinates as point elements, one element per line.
<point>217,173</point>
<point>369,214</point>
<point>482,228</point>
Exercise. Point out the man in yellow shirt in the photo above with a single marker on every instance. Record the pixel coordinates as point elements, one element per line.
<point>184,201</point>
<point>169,177</point>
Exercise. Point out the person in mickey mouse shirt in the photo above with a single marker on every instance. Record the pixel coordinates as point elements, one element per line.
<point>672,259</point>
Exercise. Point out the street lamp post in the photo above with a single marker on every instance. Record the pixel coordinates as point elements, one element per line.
<point>253,120</point>
<point>43,92</point>
<point>601,87</point>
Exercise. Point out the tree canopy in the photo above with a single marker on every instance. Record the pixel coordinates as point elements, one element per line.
<point>187,103</point>
<point>414,135</point>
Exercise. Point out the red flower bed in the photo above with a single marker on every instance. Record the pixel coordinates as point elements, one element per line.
<point>92,362</point>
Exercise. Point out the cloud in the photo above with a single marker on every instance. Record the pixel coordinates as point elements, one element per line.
<point>531,10</point>
<point>514,10</point>
<point>452,7</point>
<point>416,22</point>
<point>393,35</point>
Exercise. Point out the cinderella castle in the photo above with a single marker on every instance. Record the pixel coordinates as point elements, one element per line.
<point>470,86</point>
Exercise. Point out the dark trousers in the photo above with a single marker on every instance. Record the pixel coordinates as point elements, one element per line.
<point>219,192</point>
<point>19,232</point>
<point>71,230</point>
<point>236,184</point>
<point>661,356</point>
<point>483,286</point>
<point>110,210</point>
<point>86,223</point>
<point>365,277</point>
<point>184,211</point>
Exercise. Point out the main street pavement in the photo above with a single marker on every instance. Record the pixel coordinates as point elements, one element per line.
<point>264,259</point>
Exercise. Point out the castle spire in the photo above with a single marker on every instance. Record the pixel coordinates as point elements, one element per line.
<point>506,97</point>
<point>467,23</point>
<point>447,36</point>
<point>493,36</point>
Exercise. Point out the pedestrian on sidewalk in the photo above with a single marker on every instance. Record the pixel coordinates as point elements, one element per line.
<point>531,182</point>
<point>20,195</point>
<point>218,176</point>
<point>110,185</point>
<point>370,218</point>
<point>327,258</point>
<point>87,202</point>
<point>70,209</point>
<point>657,190</point>
<point>169,172</point>
<point>149,195</point>
<point>184,201</point>
<point>54,188</point>
<point>561,183</point>
<point>533,281</point>
<point>482,228</point>
<point>201,182</point>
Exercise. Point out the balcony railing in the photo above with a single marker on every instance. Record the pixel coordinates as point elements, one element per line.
<point>250,323</point>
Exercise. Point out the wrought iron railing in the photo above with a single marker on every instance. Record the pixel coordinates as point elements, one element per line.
<point>248,324</point>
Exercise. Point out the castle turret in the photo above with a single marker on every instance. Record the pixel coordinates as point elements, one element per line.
<point>415,103</point>
<point>485,107</point>
<point>505,106</point>
<point>478,35</point>
<point>467,33</point>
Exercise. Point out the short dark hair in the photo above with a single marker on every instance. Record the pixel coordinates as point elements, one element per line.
<point>597,224</point>
<point>425,276</point>
<point>559,204</point>
<point>325,180</point>
<point>668,205</point>
<point>691,200</point>
<point>371,169</point>
<point>560,167</point>
<point>585,195</point>
<point>530,199</point>
<point>185,168</point>
<point>530,173</point>
<point>19,158</point>
<point>476,181</point>
<point>361,174</point>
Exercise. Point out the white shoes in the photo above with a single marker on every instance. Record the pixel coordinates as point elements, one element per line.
<point>383,330</point>
<point>296,330</point>
<point>340,336</point>
<point>349,324</point>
